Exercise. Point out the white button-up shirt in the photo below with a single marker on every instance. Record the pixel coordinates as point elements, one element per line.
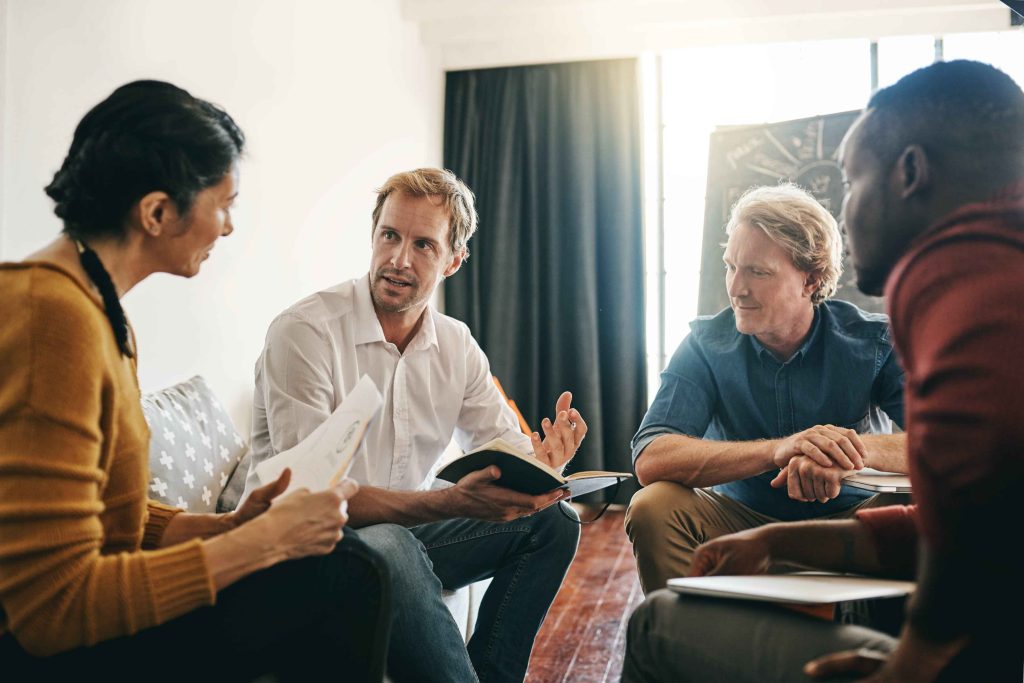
<point>440,387</point>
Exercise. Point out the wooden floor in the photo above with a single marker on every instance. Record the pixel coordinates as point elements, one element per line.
<point>583,638</point>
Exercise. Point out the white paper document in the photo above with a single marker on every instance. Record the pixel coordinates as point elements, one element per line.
<point>324,457</point>
<point>802,588</point>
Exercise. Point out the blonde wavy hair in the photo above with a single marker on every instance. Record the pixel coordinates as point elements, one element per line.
<point>794,220</point>
<point>436,182</point>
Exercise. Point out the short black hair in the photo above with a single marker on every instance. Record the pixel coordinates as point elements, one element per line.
<point>959,104</point>
<point>146,136</point>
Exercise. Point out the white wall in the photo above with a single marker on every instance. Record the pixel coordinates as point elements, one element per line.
<point>3,117</point>
<point>334,97</point>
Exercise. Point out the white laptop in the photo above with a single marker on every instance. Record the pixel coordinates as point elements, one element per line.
<point>879,482</point>
<point>807,588</point>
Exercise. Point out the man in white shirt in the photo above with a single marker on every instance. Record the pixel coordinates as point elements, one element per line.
<point>436,384</point>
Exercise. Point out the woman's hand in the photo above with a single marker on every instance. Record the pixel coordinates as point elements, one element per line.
<point>303,523</point>
<point>299,524</point>
<point>259,500</point>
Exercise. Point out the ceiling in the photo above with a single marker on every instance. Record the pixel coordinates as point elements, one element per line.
<point>482,33</point>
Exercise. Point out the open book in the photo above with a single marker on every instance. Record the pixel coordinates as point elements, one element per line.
<point>525,473</point>
<point>804,588</point>
<point>324,457</point>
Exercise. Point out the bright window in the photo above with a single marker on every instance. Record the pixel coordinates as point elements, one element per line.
<point>689,93</point>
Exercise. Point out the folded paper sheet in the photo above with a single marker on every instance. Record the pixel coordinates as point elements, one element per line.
<point>324,457</point>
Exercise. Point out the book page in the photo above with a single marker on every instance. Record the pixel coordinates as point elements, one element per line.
<point>584,485</point>
<point>503,446</point>
<point>598,473</point>
<point>324,457</point>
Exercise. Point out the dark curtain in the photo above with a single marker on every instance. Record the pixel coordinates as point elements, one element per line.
<point>553,290</point>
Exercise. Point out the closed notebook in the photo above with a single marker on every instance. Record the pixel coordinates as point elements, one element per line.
<point>805,588</point>
<point>525,473</point>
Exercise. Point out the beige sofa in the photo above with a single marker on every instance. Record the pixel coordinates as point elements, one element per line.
<point>198,461</point>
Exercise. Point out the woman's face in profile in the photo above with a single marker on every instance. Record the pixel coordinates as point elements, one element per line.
<point>209,218</point>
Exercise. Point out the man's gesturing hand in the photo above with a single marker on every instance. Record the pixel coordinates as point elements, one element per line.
<point>561,437</point>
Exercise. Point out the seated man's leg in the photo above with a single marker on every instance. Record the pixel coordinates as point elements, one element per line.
<point>666,522</point>
<point>426,644</point>
<point>527,558</point>
<point>676,638</point>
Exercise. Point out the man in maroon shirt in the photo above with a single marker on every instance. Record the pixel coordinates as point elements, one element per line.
<point>934,207</point>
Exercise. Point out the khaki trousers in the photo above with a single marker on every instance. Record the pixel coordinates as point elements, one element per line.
<point>666,522</point>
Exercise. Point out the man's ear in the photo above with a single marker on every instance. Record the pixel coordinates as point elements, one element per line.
<point>156,213</point>
<point>913,171</point>
<point>457,259</point>
<point>811,284</point>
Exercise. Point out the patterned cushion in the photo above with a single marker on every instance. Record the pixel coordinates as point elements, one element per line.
<point>193,448</point>
<point>232,493</point>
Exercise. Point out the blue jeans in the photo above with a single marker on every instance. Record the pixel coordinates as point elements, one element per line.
<point>527,558</point>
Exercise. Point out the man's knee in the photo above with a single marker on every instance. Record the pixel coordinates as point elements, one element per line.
<point>403,553</point>
<point>652,508</point>
<point>651,614</point>
<point>643,636</point>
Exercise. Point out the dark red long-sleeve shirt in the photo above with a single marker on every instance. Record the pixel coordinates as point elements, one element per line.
<point>956,301</point>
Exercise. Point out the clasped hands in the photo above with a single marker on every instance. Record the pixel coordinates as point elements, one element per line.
<point>477,496</point>
<point>814,462</point>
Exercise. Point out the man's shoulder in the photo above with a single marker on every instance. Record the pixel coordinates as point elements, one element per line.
<point>716,332</point>
<point>449,329</point>
<point>849,320</point>
<point>954,248</point>
<point>321,307</point>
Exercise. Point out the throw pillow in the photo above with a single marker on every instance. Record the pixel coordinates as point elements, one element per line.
<point>194,448</point>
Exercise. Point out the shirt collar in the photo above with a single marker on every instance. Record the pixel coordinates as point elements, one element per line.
<point>763,352</point>
<point>367,326</point>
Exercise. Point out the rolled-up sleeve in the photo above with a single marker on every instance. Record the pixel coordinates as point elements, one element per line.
<point>685,400</point>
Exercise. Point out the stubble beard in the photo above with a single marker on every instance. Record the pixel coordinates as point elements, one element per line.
<point>408,301</point>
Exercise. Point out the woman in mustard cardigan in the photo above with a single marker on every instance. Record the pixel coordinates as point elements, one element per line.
<point>94,578</point>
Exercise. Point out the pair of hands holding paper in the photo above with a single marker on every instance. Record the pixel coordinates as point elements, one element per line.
<point>301,523</point>
<point>813,463</point>
<point>477,496</point>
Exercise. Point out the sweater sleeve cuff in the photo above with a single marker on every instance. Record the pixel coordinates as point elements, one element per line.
<point>894,534</point>
<point>160,516</point>
<point>180,580</point>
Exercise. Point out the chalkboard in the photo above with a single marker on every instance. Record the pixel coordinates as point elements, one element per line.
<point>802,151</point>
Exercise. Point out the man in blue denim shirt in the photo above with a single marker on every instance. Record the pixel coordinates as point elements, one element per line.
<point>771,402</point>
